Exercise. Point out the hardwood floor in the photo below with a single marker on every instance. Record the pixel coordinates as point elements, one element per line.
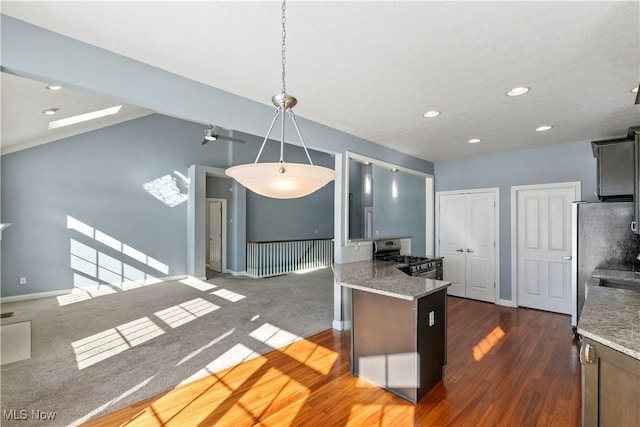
<point>506,367</point>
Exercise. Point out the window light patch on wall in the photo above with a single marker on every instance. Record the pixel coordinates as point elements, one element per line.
<point>171,189</point>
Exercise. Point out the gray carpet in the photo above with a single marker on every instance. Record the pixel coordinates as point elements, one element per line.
<point>100,354</point>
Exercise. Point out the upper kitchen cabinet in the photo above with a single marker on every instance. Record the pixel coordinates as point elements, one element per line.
<point>619,171</point>
<point>615,175</point>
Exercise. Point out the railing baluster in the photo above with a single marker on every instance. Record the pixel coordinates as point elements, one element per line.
<point>273,258</point>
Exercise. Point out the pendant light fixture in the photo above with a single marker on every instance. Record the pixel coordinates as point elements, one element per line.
<point>282,180</point>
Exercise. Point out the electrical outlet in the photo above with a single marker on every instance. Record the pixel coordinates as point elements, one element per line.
<point>23,280</point>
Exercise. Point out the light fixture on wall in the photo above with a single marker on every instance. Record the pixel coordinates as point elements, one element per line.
<point>282,180</point>
<point>394,184</point>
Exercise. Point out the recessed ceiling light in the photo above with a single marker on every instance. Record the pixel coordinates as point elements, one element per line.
<point>543,128</point>
<point>50,111</point>
<point>474,140</point>
<point>517,91</point>
<point>53,87</point>
<point>635,89</point>
<point>432,113</point>
<point>394,170</point>
<point>84,117</point>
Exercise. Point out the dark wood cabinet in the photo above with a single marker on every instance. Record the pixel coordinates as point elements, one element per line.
<point>396,343</point>
<point>610,386</point>
<point>615,173</point>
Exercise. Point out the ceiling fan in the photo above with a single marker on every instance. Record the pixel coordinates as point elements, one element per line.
<point>211,134</point>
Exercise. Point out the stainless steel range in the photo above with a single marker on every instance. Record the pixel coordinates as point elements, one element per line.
<point>389,250</point>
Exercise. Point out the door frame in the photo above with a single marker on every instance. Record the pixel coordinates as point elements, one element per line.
<point>496,227</point>
<point>577,188</point>
<point>224,231</point>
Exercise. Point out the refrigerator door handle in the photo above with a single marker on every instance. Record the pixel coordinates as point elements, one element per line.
<point>634,226</point>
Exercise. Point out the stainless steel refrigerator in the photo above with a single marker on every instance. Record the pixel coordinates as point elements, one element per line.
<point>602,238</point>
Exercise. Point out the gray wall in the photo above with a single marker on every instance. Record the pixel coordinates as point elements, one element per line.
<point>404,215</point>
<point>98,178</point>
<point>218,188</point>
<point>309,217</point>
<point>355,206</point>
<point>560,163</point>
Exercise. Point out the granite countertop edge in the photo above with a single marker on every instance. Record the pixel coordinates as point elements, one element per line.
<point>614,345</point>
<point>610,317</point>
<point>621,276</point>
<point>384,278</point>
<point>372,239</point>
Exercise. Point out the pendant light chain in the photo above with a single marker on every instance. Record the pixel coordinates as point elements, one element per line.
<point>282,180</point>
<point>284,47</point>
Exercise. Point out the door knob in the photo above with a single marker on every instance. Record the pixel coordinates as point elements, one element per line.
<point>567,258</point>
<point>460,250</point>
<point>470,250</point>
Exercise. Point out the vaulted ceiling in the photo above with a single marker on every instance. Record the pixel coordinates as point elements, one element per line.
<point>372,69</point>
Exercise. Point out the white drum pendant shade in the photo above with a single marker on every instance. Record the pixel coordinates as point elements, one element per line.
<point>267,179</point>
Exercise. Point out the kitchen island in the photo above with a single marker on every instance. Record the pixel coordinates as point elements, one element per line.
<point>610,355</point>
<point>394,326</point>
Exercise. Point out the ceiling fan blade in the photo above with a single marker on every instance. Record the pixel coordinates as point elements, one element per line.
<point>204,141</point>
<point>228,138</point>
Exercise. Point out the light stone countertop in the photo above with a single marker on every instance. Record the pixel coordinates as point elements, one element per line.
<point>611,317</point>
<point>371,239</point>
<point>629,277</point>
<point>383,277</point>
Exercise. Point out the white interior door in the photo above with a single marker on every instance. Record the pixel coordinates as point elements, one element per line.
<point>480,246</point>
<point>544,248</point>
<point>215,236</point>
<point>452,241</point>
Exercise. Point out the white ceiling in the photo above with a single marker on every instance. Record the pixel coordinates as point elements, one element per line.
<point>373,68</point>
<point>24,125</point>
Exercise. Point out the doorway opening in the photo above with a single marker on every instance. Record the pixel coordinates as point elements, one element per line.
<point>216,235</point>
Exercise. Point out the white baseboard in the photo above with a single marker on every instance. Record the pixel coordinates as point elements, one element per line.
<point>49,294</point>
<point>337,325</point>
<point>173,278</point>
<point>505,303</point>
<point>237,273</point>
<point>36,295</point>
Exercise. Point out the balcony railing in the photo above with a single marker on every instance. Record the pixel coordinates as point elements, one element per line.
<point>273,258</point>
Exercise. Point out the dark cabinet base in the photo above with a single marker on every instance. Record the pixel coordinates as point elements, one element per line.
<point>397,344</point>
<point>610,387</point>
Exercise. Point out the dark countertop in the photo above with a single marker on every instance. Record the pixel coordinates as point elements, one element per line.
<point>612,317</point>
<point>384,278</point>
